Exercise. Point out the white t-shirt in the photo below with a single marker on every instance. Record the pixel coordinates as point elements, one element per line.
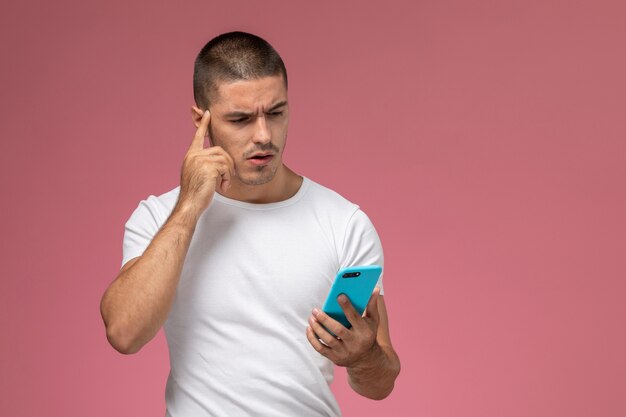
<point>253,273</point>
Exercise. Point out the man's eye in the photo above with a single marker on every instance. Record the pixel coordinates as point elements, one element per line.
<point>275,113</point>
<point>240,120</point>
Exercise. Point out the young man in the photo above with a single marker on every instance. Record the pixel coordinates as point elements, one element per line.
<point>235,262</point>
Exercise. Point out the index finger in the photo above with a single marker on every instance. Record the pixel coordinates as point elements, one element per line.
<point>329,324</point>
<point>198,139</point>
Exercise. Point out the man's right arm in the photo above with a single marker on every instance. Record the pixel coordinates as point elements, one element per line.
<point>136,304</point>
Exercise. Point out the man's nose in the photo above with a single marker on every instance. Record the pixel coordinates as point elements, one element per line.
<point>261,132</point>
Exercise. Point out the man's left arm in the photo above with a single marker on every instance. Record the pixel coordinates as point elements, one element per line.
<point>365,349</point>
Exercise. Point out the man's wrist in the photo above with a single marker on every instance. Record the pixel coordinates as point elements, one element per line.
<point>186,214</point>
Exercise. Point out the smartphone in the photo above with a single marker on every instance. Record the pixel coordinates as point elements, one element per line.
<point>358,283</point>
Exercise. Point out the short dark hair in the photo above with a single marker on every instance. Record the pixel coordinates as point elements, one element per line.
<point>231,57</point>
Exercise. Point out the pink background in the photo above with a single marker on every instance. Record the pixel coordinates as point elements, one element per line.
<point>485,139</point>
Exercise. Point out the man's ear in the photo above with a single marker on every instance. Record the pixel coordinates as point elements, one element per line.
<point>196,115</point>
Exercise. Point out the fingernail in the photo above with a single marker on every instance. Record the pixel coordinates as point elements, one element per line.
<point>342,298</point>
<point>316,312</point>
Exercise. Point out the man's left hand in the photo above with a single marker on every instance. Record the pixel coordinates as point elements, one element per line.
<point>349,346</point>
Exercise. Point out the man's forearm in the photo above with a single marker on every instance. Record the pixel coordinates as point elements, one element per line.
<point>374,376</point>
<point>137,303</point>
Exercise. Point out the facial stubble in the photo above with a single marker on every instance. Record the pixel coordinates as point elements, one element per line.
<point>267,172</point>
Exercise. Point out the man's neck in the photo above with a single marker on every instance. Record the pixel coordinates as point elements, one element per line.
<point>283,186</point>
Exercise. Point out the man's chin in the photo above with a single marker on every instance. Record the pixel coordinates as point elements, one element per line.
<point>257,178</point>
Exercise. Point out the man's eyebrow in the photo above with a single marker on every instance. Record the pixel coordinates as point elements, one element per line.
<point>278,105</point>
<point>240,114</point>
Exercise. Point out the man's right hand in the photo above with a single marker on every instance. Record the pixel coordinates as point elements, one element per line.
<point>204,170</point>
<point>137,302</point>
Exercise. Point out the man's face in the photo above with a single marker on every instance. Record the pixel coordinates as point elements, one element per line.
<point>249,121</point>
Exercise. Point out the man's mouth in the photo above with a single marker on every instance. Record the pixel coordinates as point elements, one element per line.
<point>261,155</point>
<point>261,158</point>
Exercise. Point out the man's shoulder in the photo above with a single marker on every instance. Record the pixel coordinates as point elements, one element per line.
<point>322,191</point>
<point>149,215</point>
<point>169,196</point>
<point>163,203</point>
<point>328,197</point>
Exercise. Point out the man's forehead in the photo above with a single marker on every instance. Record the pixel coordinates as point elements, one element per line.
<point>251,95</point>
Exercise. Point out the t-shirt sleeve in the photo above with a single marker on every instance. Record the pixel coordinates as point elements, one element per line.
<point>139,230</point>
<point>361,245</point>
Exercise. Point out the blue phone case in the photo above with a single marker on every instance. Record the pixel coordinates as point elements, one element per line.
<point>358,283</point>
